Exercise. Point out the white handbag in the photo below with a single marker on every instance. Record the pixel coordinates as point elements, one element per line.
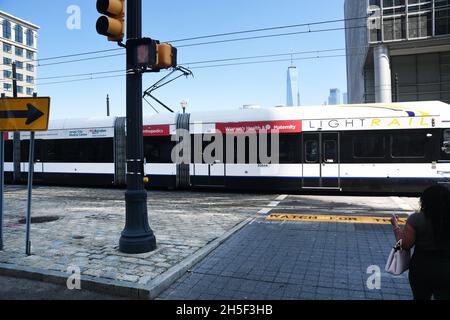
<point>398,261</point>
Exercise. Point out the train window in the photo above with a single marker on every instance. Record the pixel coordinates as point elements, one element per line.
<point>329,151</point>
<point>446,147</point>
<point>289,148</point>
<point>9,151</point>
<point>411,145</point>
<point>369,146</point>
<point>98,150</point>
<point>158,149</point>
<point>312,151</point>
<point>25,150</point>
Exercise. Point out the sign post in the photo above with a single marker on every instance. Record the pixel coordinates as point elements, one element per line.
<point>30,189</point>
<point>22,114</point>
<point>2,182</point>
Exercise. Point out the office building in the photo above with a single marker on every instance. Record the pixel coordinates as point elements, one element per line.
<point>335,97</point>
<point>400,53</point>
<point>293,94</point>
<point>18,43</point>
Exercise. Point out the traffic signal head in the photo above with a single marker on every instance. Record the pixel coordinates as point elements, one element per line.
<point>166,56</point>
<point>112,24</point>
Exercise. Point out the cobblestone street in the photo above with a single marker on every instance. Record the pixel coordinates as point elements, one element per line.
<point>89,221</point>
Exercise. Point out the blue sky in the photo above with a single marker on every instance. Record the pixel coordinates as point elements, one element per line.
<point>211,88</point>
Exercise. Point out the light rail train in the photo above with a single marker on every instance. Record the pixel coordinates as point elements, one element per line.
<point>369,148</point>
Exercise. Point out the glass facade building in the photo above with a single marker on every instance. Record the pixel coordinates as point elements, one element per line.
<point>335,97</point>
<point>293,94</point>
<point>398,51</point>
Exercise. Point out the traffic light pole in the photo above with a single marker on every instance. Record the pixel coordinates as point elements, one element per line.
<point>137,236</point>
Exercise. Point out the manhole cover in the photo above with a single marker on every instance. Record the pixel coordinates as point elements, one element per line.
<point>43,219</point>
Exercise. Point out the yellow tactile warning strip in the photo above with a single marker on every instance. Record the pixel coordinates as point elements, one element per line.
<point>332,218</point>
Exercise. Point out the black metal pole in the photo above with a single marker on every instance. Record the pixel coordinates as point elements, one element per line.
<point>107,105</point>
<point>16,137</point>
<point>2,180</point>
<point>136,237</point>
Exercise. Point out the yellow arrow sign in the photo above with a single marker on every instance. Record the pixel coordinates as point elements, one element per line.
<point>24,114</point>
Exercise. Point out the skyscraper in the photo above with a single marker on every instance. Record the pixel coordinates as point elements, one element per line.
<point>293,94</point>
<point>335,97</point>
<point>345,98</point>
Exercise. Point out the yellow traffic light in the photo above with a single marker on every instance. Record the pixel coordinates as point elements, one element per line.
<point>112,24</point>
<point>166,56</point>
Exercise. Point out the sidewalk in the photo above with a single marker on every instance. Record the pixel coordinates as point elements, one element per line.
<point>294,261</point>
<point>286,260</point>
<point>86,231</point>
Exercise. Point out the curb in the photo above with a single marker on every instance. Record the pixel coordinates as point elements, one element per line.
<point>121,288</point>
<point>161,283</point>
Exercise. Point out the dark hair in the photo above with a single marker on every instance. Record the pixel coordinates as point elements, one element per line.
<point>435,205</point>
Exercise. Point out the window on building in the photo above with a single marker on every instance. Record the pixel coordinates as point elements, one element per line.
<point>442,17</point>
<point>7,48</point>
<point>420,25</point>
<point>394,28</point>
<point>19,89</point>
<point>19,64</point>
<point>7,74</point>
<point>19,33</point>
<point>30,55</point>
<point>7,61</point>
<point>30,79</point>
<point>19,52</point>
<point>30,38</point>
<point>7,86</point>
<point>30,67</point>
<point>6,29</point>
<point>19,77</point>
<point>30,91</point>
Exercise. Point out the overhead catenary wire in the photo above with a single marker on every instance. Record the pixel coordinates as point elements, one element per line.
<point>200,67</point>
<point>205,37</point>
<point>309,24</point>
<point>190,63</point>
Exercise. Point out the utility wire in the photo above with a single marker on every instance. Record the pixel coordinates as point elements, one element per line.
<point>219,41</point>
<point>268,36</point>
<point>205,37</point>
<point>266,29</point>
<point>200,67</point>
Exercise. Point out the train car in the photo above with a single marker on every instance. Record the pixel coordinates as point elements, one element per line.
<point>71,152</point>
<point>370,148</point>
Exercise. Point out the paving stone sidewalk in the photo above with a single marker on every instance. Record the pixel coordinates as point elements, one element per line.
<point>89,221</point>
<point>283,260</point>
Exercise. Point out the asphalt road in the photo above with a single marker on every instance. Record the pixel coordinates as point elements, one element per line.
<point>24,289</point>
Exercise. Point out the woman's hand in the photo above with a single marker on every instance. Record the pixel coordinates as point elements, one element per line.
<point>394,221</point>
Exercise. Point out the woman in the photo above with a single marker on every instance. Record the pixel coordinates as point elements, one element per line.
<point>428,231</point>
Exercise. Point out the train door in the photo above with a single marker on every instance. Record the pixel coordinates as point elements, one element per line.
<point>321,161</point>
<point>207,173</point>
